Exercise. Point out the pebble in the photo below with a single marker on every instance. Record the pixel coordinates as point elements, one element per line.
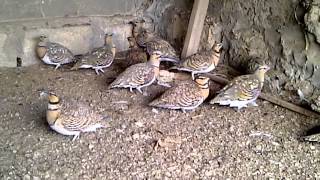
<point>91,146</point>
<point>26,177</point>
<point>155,111</point>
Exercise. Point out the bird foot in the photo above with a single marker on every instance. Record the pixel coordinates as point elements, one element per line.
<point>97,69</point>
<point>76,136</point>
<point>254,104</point>
<point>57,66</point>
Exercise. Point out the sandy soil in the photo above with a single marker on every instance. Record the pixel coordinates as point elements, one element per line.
<point>142,143</point>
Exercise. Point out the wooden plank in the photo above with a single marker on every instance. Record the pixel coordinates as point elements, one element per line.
<point>192,40</point>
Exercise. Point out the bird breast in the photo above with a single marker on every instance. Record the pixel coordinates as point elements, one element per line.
<point>41,51</point>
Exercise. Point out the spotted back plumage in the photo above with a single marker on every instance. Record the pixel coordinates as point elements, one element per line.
<point>242,90</point>
<point>187,95</point>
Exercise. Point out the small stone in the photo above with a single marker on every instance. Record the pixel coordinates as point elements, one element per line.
<point>136,136</point>
<point>91,146</point>
<point>155,111</point>
<point>139,124</point>
<point>26,177</point>
<point>36,178</point>
<point>17,114</point>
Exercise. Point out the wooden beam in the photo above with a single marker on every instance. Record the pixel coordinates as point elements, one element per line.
<point>192,40</point>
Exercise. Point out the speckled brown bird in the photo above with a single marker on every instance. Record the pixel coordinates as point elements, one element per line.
<point>187,95</point>
<point>242,90</point>
<point>202,62</point>
<point>98,58</point>
<point>53,53</point>
<point>151,43</point>
<point>135,54</point>
<point>139,75</point>
<point>71,119</point>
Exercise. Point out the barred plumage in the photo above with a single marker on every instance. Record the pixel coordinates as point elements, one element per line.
<point>72,118</point>
<point>187,95</point>
<point>202,62</point>
<point>243,90</point>
<point>138,75</point>
<point>98,58</point>
<point>53,53</point>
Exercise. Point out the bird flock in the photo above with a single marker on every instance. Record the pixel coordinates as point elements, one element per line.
<point>146,52</point>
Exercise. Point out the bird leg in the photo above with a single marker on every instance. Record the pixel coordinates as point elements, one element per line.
<point>192,74</point>
<point>57,66</point>
<point>97,69</point>
<point>76,136</point>
<point>139,89</point>
<point>130,89</point>
<point>253,104</point>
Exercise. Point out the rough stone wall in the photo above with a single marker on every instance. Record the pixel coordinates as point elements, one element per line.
<point>256,32</point>
<point>80,25</point>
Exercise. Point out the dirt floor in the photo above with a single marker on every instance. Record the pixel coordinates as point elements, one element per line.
<point>141,142</point>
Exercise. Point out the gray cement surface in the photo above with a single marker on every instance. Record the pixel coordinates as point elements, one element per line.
<point>210,142</point>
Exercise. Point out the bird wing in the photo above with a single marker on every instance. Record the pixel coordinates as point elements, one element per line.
<point>135,75</point>
<point>163,46</point>
<point>242,88</point>
<point>186,94</point>
<point>197,62</point>
<point>59,54</point>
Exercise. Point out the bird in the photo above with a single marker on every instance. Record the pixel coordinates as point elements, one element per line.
<point>187,95</point>
<point>139,75</point>
<point>135,54</point>
<point>98,58</point>
<point>242,90</point>
<point>311,138</point>
<point>71,119</point>
<point>202,62</point>
<point>153,42</point>
<point>53,53</point>
<point>137,32</point>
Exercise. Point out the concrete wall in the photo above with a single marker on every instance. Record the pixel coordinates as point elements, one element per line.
<point>78,24</point>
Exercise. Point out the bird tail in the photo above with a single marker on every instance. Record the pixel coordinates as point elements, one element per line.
<point>170,59</point>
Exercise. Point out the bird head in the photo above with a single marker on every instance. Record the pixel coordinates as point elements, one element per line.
<point>263,68</point>
<point>132,41</point>
<point>108,38</point>
<point>155,58</point>
<point>43,39</point>
<point>53,98</point>
<point>260,72</point>
<point>202,81</point>
<point>217,47</point>
<point>53,111</point>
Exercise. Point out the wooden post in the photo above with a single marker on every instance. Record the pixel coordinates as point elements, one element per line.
<point>192,40</point>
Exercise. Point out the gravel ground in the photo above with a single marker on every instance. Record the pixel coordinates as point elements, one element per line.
<point>141,142</point>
